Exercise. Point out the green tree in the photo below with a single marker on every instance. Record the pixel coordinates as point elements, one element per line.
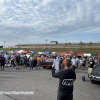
<point>69,43</point>
<point>90,43</point>
<point>81,43</point>
<point>65,43</point>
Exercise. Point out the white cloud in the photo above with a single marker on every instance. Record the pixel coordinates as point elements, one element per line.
<point>47,18</point>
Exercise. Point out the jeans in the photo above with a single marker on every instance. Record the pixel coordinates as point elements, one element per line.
<point>31,64</point>
<point>42,62</point>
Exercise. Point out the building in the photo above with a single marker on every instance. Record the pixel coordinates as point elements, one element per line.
<point>53,42</point>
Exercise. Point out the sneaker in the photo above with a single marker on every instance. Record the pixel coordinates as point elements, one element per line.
<point>16,68</point>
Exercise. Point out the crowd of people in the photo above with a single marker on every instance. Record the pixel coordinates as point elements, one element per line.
<point>81,62</point>
<point>17,60</point>
<point>67,66</point>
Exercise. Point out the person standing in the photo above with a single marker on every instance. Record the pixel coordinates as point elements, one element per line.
<point>84,63</point>
<point>2,62</point>
<point>96,61</point>
<point>67,78</point>
<point>22,59</point>
<point>6,58</point>
<point>12,59</point>
<point>65,60</point>
<point>17,61</point>
<point>81,62</point>
<point>25,61</point>
<point>31,59</point>
<point>77,61</point>
<point>42,59</point>
<point>74,63</point>
<point>90,65</point>
<point>39,59</point>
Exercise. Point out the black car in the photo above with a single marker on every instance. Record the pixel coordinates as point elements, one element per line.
<point>95,74</point>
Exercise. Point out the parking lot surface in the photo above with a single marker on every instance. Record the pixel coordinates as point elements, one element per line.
<point>43,85</point>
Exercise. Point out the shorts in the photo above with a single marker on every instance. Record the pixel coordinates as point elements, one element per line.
<point>25,62</point>
<point>6,61</point>
<point>64,96</point>
<point>17,63</point>
<point>38,64</point>
<point>12,61</point>
<point>90,70</point>
<point>83,64</point>
<point>2,64</point>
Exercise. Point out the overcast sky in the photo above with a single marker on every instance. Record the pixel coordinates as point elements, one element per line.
<point>33,21</point>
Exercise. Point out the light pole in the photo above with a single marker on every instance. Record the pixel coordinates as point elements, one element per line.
<point>46,42</point>
<point>4,44</point>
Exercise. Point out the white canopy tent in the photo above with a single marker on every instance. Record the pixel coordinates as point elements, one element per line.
<point>54,53</point>
<point>40,53</point>
<point>86,54</point>
<point>20,51</point>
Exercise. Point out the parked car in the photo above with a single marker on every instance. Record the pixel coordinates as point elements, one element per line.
<point>48,63</point>
<point>95,74</point>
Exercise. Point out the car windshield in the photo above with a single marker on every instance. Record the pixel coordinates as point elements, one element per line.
<point>50,60</point>
<point>97,68</point>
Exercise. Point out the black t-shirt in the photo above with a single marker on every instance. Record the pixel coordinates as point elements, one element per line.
<point>18,58</point>
<point>91,62</point>
<point>2,59</point>
<point>25,58</point>
<point>66,79</point>
<point>61,60</point>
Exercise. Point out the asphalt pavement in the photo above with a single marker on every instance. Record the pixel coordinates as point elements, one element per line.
<point>43,85</point>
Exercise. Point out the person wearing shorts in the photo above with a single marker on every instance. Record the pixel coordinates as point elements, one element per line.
<point>17,61</point>
<point>6,58</point>
<point>2,62</point>
<point>90,65</point>
<point>39,59</point>
<point>12,59</point>
<point>25,61</point>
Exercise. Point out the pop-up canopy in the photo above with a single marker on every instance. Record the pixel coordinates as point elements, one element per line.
<point>70,53</point>
<point>20,51</point>
<point>16,51</point>
<point>3,51</point>
<point>48,52</point>
<point>26,52</point>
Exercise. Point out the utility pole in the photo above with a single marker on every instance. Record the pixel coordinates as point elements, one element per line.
<point>46,42</point>
<point>4,44</point>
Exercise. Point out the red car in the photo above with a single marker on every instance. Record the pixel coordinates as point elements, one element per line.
<point>48,63</point>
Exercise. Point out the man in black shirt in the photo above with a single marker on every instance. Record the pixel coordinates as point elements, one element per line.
<point>25,61</point>
<point>91,64</point>
<point>67,78</point>
<point>2,62</point>
<point>17,58</point>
